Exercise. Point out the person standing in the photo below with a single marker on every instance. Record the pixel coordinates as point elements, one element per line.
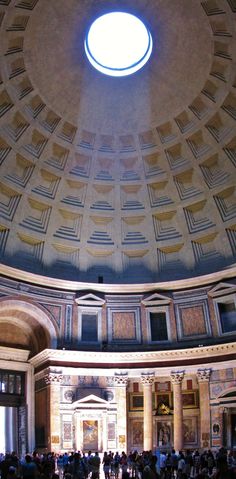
<point>29,469</point>
<point>106,465</point>
<point>94,462</point>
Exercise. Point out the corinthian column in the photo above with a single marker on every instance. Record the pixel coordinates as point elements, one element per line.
<point>147,382</point>
<point>121,382</point>
<point>53,381</point>
<point>177,378</point>
<point>203,376</point>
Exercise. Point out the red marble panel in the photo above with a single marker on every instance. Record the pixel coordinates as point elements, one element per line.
<point>193,321</point>
<point>123,325</point>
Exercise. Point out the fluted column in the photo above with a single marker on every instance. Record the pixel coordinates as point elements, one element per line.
<point>53,380</point>
<point>121,382</point>
<point>177,378</point>
<point>147,382</point>
<point>203,376</point>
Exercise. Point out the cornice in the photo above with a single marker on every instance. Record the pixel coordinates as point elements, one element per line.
<point>13,354</point>
<point>48,282</point>
<point>111,360</point>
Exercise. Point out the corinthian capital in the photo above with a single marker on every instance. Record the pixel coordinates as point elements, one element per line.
<point>203,375</point>
<point>121,379</point>
<point>53,378</point>
<point>177,377</point>
<point>147,379</point>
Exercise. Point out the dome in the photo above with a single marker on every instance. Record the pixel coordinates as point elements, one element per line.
<point>118,180</point>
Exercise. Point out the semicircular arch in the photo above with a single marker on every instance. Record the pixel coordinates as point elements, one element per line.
<point>228,392</point>
<point>30,319</point>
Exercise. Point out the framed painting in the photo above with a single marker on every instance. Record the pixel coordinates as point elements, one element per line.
<point>136,401</point>
<point>189,399</point>
<point>90,435</point>
<point>137,433</point>
<point>190,431</point>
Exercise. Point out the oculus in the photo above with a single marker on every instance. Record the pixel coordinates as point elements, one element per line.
<point>118,44</point>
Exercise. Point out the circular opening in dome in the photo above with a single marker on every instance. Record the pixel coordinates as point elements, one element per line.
<point>118,44</point>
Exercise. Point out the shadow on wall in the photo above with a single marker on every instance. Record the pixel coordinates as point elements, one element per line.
<point>138,273</point>
<point>13,336</point>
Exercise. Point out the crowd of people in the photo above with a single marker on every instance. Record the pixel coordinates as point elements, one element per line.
<point>109,465</point>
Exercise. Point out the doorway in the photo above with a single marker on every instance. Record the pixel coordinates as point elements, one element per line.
<point>8,429</point>
<point>233,431</point>
<point>13,429</point>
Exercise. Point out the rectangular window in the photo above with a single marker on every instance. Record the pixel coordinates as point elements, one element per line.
<point>227,312</point>
<point>158,326</point>
<point>12,382</point>
<point>89,331</point>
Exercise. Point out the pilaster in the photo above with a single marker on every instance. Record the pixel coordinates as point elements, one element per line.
<point>53,381</point>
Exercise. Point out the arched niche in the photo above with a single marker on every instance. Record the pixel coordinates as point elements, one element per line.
<point>25,325</point>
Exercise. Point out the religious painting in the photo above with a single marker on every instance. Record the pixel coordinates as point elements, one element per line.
<point>121,441</point>
<point>137,433</point>
<point>190,431</point>
<point>90,435</point>
<point>164,434</point>
<point>189,399</point>
<point>55,439</point>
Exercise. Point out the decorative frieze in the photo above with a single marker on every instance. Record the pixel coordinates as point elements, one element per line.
<point>82,380</point>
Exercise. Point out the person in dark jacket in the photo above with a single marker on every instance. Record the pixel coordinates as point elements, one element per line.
<point>28,468</point>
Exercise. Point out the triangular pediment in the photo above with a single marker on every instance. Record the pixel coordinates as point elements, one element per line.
<point>156,299</point>
<point>90,299</point>
<point>91,399</point>
<point>221,289</point>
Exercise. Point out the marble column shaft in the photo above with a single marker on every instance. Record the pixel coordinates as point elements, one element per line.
<point>177,378</point>
<point>203,376</point>
<point>147,381</point>
<point>121,382</point>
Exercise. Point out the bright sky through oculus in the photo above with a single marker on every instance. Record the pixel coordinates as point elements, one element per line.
<point>118,44</point>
